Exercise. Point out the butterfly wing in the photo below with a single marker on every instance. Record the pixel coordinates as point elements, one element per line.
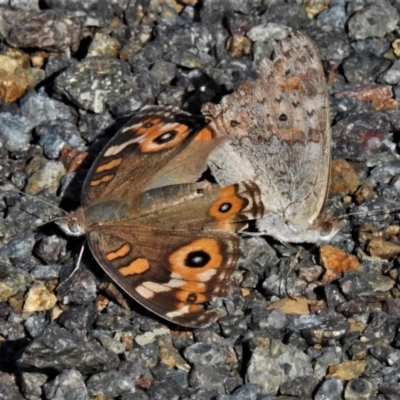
<point>159,146</point>
<point>181,250</point>
<point>278,130</point>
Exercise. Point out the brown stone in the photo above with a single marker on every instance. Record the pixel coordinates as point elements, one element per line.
<point>344,180</point>
<point>314,7</point>
<point>347,370</point>
<point>380,96</point>
<point>336,261</point>
<point>39,298</point>
<point>72,159</point>
<point>12,86</point>
<point>383,249</point>
<point>238,46</point>
<point>295,305</point>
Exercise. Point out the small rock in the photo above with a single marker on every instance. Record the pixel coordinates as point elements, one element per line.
<point>293,305</point>
<point>103,45</point>
<point>50,30</point>
<point>392,75</point>
<point>267,364</point>
<point>32,383</point>
<point>109,343</point>
<point>205,353</point>
<point>164,71</point>
<point>238,46</point>
<point>320,328</point>
<point>360,389</point>
<point>170,356</point>
<point>12,85</point>
<point>298,387</point>
<point>68,384</point>
<point>354,284</point>
<point>380,96</point>
<point>385,355</point>
<point>375,20</point>
<point>331,389</point>
<point>335,15</point>
<point>149,337</point>
<point>55,135</point>
<point>111,383</point>
<point>347,370</point>
<point>344,179</point>
<point>19,249</point>
<point>331,356</point>
<point>38,109</point>
<point>58,349</point>
<point>186,59</point>
<point>96,83</point>
<point>48,177</point>
<point>15,132</point>
<point>314,7</point>
<point>13,281</point>
<point>364,67</point>
<point>51,248</point>
<point>39,298</point>
<point>79,289</point>
<point>383,249</point>
<point>207,376</point>
<point>35,324</point>
<point>336,262</point>
<point>7,386</point>
<point>268,31</point>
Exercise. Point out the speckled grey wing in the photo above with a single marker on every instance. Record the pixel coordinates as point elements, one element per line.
<point>278,131</point>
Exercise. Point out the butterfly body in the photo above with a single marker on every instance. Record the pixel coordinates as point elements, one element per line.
<point>166,240</point>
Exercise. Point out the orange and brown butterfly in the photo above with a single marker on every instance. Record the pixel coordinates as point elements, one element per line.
<point>168,241</point>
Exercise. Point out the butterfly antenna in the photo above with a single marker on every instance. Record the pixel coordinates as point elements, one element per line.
<point>38,199</point>
<point>369,213</point>
<point>47,222</point>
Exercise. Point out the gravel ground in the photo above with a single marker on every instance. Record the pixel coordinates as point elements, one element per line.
<point>70,74</point>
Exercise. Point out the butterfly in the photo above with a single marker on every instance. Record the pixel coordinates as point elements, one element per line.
<point>168,241</point>
<point>278,135</point>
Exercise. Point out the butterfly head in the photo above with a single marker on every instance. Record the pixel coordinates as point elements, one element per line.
<point>73,223</point>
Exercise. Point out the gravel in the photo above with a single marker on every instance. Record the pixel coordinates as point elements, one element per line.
<point>290,330</point>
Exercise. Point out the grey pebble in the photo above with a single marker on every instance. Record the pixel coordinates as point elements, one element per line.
<point>15,132</point>
<point>68,384</point>
<point>58,349</point>
<point>331,389</point>
<point>375,20</point>
<point>111,383</point>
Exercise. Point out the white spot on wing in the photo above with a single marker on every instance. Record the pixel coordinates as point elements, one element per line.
<point>178,313</point>
<point>146,293</point>
<point>175,283</point>
<point>155,287</point>
<point>170,125</point>
<point>132,127</point>
<point>207,275</point>
<point>114,150</point>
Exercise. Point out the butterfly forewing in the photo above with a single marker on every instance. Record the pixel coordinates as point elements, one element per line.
<point>157,147</point>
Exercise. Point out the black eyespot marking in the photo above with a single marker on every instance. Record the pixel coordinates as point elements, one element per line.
<point>165,137</point>
<point>283,117</point>
<point>148,125</point>
<point>225,207</point>
<point>234,123</point>
<point>192,297</point>
<point>197,259</point>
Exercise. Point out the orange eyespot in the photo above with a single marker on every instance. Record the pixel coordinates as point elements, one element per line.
<point>158,135</point>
